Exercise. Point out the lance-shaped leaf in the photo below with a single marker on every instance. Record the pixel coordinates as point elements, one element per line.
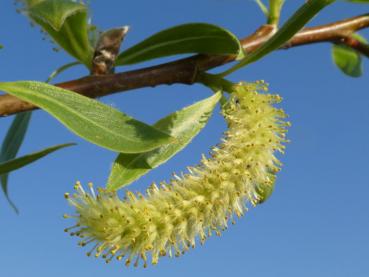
<point>66,22</point>
<point>188,38</point>
<point>348,60</point>
<point>262,7</point>
<point>359,1</point>
<point>294,24</point>
<point>30,3</point>
<point>14,164</point>
<point>60,70</point>
<point>10,147</point>
<point>184,124</point>
<point>90,119</point>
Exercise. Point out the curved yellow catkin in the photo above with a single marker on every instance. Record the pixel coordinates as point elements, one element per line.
<point>172,217</point>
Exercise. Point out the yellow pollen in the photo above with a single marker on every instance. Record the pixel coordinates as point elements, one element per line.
<point>171,217</point>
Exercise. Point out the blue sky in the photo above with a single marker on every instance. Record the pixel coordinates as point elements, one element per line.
<point>315,224</point>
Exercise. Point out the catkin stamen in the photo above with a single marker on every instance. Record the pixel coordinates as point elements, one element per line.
<point>170,218</point>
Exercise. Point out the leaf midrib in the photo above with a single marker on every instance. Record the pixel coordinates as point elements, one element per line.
<point>78,115</point>
<point>158,45</point>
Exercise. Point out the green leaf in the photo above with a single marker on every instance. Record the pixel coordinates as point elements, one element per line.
<point>55,12</point>
<point>262,7</point>
<point>30,3</point>
<point>348,60</point>
<point>184,125</point>
<point>11,145</point>
<point>61,70</point>
<point>14,164</point>
<point>294,24</point>
<point>264,192</point>
<point>188,38</point>
<point>93,35</point>
<point>359,1</point>
<point>90,119</point>
<point>1,46</point>
<point>66,22</point>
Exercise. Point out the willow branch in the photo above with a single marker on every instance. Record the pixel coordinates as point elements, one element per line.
<point>185,71</point>
<point>356,44</point>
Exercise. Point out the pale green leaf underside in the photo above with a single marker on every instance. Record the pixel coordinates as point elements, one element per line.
<point>348,60</point>
<point>184,124</point>
<point>55,12</point>
<point>66,22</point>
<point>90,119</point>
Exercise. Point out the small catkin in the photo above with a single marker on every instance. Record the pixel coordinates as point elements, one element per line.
<point>173,216</point>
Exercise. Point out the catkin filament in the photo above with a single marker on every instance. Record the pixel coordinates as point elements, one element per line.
<point>171,217</point>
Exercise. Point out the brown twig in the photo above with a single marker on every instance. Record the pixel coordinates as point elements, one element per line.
<point>356,44</point>
<point>185,71</point>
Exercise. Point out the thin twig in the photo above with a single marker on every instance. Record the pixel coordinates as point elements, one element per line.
<point>356,44</point>
<point>185,71</point>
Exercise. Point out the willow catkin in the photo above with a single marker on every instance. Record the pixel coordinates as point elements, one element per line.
<point>172,217</point>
